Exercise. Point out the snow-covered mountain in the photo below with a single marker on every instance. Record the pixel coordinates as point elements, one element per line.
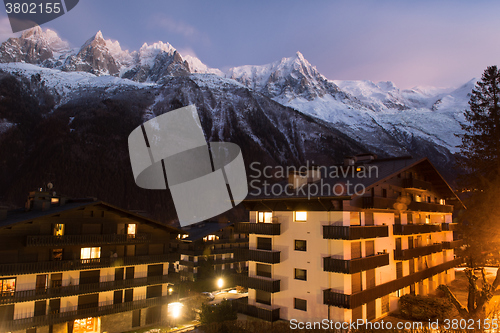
<point>379,116</point>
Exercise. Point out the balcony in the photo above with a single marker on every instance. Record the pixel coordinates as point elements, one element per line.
<point>453,245</point>
<point>430,207</point>
<point>449,226</point>
<point>352,301</point>
<point>260,283</point>
<point>408,229</point>
<point>104,308</point>
<point>354,232</point>
<point>49,240</point>
<point>355,265</point>
<point>242,306</point>
<point>269,257</point>
<point>69,265</point>
<point>417,252</point>
<point>378,203</point>
<point>271,229</point>
<point>416,184</point>
<point>79,289</point>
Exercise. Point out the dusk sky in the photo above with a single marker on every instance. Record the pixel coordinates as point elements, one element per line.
<point>428,43</point>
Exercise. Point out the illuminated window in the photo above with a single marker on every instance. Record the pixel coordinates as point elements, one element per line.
<point>58,229</point>
<point>86,325</point>
<point>418,198</point>
<point>442,202</point>
<point>54,200</point>
<point>8,286</point>
<point>210,238</point>
<point>300,216</point>
<point>90,253</point>
<point>265,217</point>
<point>131,229</point>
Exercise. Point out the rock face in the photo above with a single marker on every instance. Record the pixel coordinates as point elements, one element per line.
<point>155,61</point>
<point>34,47</point>
<point>93,57</point>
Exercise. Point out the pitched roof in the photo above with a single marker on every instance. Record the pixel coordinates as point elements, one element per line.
<point>21,215</point>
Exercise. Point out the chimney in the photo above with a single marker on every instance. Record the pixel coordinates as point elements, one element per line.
<point>360,158</point>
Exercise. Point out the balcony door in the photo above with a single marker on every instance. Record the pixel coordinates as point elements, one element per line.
<point>355,250</point>
<point>357,283</point>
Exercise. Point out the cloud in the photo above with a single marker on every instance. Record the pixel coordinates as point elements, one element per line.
<point>175,27</point>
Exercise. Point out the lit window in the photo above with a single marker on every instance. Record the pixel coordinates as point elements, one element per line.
<point>87,325</point>
<point>90,253</point>
<point>210,238</point>
<point>131,229</point>
<point>442,202</point>
<point>265,217</point>
<point>8,286</point>
<point>58,229</point>
<point>300,216</point>
<point>418,198</point>
<point>54,200</point>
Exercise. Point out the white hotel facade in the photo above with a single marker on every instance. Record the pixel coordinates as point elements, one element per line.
<point>351,257</point>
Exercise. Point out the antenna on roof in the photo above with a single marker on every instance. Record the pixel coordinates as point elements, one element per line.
<point>50,186</point>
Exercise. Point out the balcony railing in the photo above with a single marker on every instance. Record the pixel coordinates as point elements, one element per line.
<point>242,306</point>
<point>378,203</point>
<point>354,232</point>
<point>271,229</point>
<point>270,257</point>
<point>79,289</point>
<point>264,284</point>
<point>453,245</point>
<point>68,265</point>
<point>416,184</point>
<point>449,226</point>
<point>417,252</point>
<point>355,265</point>
<point>102,309</point>
<point>408,229</point>
<point>49,240</point>
<point>430,207</point>
<point>352,301</point>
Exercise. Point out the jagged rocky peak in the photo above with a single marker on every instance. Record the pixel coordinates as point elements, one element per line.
<point>34,46</point>
<point>156,61</point>
<point>94,57</point>
<point>290,77</point>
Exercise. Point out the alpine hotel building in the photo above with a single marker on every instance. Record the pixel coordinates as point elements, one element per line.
<point>82,266</point>
<point>350,257</point>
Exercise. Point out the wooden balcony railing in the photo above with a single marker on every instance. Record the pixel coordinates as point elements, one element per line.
<point>68,265</point>
<point>271,229</point>
<point>270,257</point>
<point>408,229</point>
<point>417,252</point>
<point>260,283</point>
<point>49,240</point>
<point>352,301</point>
<point>430,207</point>
<point>453,244</point>
<point>82,288</point>
<point>104,308</point>
<point>417,184</point>
<point>354,232</point>
<point>242,306</point>
<point>355,265</point>
<point>449,226</point>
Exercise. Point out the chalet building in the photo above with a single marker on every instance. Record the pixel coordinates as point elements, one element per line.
<point>348,256</point>
<point>82,266</point>
<point>212,245</point>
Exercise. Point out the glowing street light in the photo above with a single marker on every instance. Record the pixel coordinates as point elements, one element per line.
<point>174,310</point>
<point>220,283</point>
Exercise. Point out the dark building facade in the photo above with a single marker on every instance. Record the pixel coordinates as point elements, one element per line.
<point>82,266</point>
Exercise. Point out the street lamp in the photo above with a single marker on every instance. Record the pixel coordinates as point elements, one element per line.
<point>175,310</point>
<point>220,283</point>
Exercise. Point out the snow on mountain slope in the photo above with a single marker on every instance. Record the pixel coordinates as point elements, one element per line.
<point>196,66</point>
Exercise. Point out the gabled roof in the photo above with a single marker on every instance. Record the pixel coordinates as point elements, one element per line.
<point>201,229</point>
<point>21,215</point>
<point>385,169</point>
